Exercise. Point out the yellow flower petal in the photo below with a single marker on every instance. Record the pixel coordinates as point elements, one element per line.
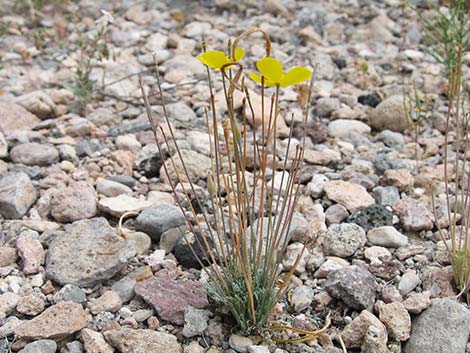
<point>213,59</point>
<point>296,75</point>
<point>257,78</point>
<point>239,54</point>
<point>271,69</point>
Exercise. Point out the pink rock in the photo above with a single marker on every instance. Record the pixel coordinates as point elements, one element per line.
<point>352,196</point>
<point>15,117</point>
<point>32,253</point>
<point>170,296</point>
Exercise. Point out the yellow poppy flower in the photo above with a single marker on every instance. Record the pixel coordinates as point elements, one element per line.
<point>217,59</point>
<point>272,71</point>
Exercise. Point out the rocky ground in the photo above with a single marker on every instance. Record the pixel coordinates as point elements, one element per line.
<point>70,283</point>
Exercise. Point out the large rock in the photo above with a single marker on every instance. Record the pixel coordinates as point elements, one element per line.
<point>58,321</point>
<point>33,153</point>
<point>443,328</point>
<point>14,117</point>
<point>157,219</point>
<point>352,196</point>
<point>73,203</point>
<point>390,115</point>
<point>87,253</point>
<point>17,195</point>
<point>353,285</point>
<point>343,239</point>
<point>128,340</point>
<point>170,297</point>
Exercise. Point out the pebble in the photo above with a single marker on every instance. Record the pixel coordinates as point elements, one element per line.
<point>390,115</point>
<point>157,219</point>
<point>355,286</point>
<point>40,346</point>
<point>351,196</point>
<point>31,304</point>
<point>331,264</point>
<point>70,292</point>
<point>32,253</point>
<point>301,298</point>
<point>343,239</point>
<point>73,203</point>
<point>109,301</point>
<point>239,343</point>
<point>94,342</point>
<point>396,319</point>
<point>17,195</point>
<point>387,236</point>
<point>34,154</point>
<point>354,333</point>
<point>8,256</point>
<point>170,297</point>
<point>39,103</point>
<point>111,188</point>
<point>415,303</point>
<point>121,204</point>
<point>128,340</point>
<point>408,282</point>
<point>343,128</point>
<point>195,321</point>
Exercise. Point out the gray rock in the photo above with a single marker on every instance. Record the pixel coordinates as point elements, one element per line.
<point>125,288</point>
<point>128,340</point>
<point>74,347</point>
<point>195,321</point>
<point>70,292</point>
<point>169,238</point>
<point>386,195</point>
<point>343,239</point>
<point>170,297</point>
<point>302,297</point>
<point>17,195</point>
<point>408,282</point>
<point>111,188</point>
<point>325,106</point>
<point>40,346</point>
<point>157,219</point>
<point>67,153</point>
<point>343,128</point>
<point>392,139</point>
<point>142,242</point>
<point>353,285</point>
<point>73,203</point>
<point>336,214</point>
<point>87,253</point>
<point>258,349</point>
<point>34,154</point>
<point>387,236</point>
<point>443,328</point>
<point>239,343</point>
<point>372,217</point>
<point>390,115</point>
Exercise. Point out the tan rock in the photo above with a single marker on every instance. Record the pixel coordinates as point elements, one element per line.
<point>58,321</point>
<point>94,342</point>
<point>352,196</point>
<point>354,333</point>
<point>15,117</point>
<point>396,319</point>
